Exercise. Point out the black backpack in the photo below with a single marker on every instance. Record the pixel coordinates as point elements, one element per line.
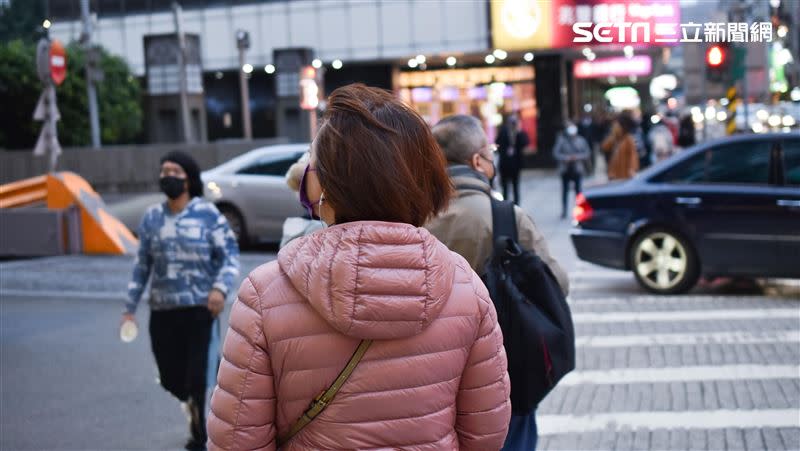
<point>538,334</point>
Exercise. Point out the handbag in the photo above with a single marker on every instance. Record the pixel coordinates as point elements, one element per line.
<point>323,399</point>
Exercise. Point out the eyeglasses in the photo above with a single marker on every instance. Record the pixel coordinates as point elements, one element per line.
<point>492,148</point>
<point>304,200</point>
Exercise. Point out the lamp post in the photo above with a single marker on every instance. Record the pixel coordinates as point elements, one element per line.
<point>243,43</point>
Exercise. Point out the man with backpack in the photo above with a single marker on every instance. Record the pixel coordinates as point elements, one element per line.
<point>527,285</point>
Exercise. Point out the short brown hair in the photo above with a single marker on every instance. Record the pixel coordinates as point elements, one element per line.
<point>377,159</point>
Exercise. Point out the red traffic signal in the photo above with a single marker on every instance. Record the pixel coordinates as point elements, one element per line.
<point>715,56</point>
<point>58,62</point>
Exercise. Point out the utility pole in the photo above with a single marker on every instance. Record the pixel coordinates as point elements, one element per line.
<point>187,129</point>
<point>86,39</point>
<point>742,12</point>
<point>243,43</point>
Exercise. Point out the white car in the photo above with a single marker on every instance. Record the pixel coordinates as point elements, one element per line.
<point>250,190</point>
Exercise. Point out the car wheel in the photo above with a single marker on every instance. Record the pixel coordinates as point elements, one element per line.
<point>664,262</point>
<point>236,223</point>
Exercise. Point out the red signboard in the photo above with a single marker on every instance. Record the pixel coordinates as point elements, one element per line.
<point>58,62</point>
<point>532,24</point>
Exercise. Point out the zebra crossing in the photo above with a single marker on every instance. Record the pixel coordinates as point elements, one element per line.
<point>695,371</point>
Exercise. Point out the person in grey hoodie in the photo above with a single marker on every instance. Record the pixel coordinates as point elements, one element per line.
<point>572,153</point>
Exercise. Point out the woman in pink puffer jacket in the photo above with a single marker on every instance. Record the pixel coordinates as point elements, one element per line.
<point>435,375</point>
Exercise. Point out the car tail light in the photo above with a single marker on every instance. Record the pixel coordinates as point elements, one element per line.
<point>582,211</point>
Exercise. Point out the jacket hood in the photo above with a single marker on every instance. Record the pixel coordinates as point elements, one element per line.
<point>372,280</point>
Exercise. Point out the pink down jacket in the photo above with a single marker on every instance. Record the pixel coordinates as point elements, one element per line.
<point>434,378</point>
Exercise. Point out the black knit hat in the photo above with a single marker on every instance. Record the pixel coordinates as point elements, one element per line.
<point>191,168</point>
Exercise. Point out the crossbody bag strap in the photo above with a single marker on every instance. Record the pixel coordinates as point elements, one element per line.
<point>323,399</point>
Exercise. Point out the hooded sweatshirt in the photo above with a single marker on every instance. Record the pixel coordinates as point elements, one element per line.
<point>434,378</point>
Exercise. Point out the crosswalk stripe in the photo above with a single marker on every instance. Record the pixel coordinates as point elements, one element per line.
<point>659,300</point>
<point>702,419</point>
<point>700,338</point>
<point>680,374</point>
<point>602,274</point>
<point>686,315</point>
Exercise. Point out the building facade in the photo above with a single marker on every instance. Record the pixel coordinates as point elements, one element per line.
<point>479,57</point>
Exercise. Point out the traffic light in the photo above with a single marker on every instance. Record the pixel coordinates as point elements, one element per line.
<point>717,62</point>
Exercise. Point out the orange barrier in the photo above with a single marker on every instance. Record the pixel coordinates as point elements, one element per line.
<point>102,233</point>
<point>23,192</point>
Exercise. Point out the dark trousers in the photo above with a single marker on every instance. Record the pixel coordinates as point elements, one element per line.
<point>522,433</point>
<point>567,177</point>
<point>180,340</point>
<point>510,177</point>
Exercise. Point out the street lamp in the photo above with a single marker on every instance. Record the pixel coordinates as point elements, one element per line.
<point>243,43</point>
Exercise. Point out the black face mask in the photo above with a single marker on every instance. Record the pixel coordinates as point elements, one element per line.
<point>172,186</point>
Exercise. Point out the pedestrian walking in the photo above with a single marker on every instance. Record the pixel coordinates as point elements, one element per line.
<point>620,145</point>
<point>466,227</point>
<point>374,298</point>
<point>686,131</point>
<point>586,129</point>
<point>190,255</point>
<point>572,153</point>
<point>511,143</point>
<point>661,141</point>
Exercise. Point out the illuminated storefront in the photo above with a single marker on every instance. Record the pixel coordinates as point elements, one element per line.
<point>487,93</point>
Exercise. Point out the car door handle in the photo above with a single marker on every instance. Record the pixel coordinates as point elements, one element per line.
<point>788,203</point>
<point>688,200</point>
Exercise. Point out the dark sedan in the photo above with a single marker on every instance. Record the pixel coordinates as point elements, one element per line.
<point>729,207</point>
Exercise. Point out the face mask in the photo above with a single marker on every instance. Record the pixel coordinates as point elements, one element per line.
<point>321,200</point>
<point>572,130</point>
<point>172,186</point>
<point>304,200</point>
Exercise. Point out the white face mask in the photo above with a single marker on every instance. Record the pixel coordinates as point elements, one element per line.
<point>321,201</point>
<point>572,130</point>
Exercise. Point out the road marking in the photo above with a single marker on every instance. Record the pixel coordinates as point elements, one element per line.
<point>667,300</point>
<point>68,294</point>
<point>114,296</point>
<point>681,374</point>
<point>686,315</point>
<point>602,274</point>
<point>700,338</point>
<point>697,419</point>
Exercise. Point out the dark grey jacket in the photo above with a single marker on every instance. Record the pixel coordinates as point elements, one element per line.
<point>571,146</point>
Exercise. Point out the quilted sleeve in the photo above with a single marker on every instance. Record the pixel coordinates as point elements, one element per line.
<point>483,406</point>
<point>242,412</point>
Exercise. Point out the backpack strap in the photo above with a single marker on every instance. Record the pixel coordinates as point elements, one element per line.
<point>504,220</point>
<point>323,399</point>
